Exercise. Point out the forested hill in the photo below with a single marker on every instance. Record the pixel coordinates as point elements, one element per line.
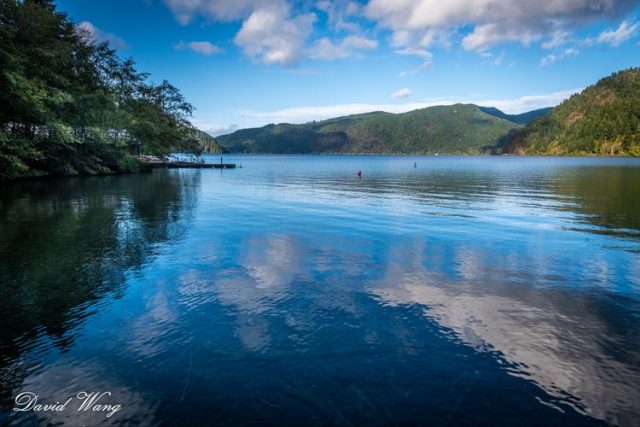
<point>69,105</point>
<point>521,119</point>
<point>204,142</point>
<point>602,120</point>
<point>459,129</point>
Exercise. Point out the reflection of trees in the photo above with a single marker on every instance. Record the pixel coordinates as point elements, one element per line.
<point>64,244</point>
<point>607,196</point>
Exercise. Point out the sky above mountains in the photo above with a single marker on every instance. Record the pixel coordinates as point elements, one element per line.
<point>246,63</point>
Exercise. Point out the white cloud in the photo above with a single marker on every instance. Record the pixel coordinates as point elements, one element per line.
<point>357,42</point>
<point>551,58</point>
<point>213,129</point>
<point>201,47</point>
<point>500,58</point>
<point>278,31</point>
<point>95,34</point>
<point>217,130</point>
<point>306,114</point>
<point>557,39</point>
<point>624,32</point>
<point>353,8</point>
<point>338,14</point>
<point>426,56</point>
<point>269,35</point>
<point>186,10</point>
<point>486,35</point>
<point>274,31</point>
<point>326,49</point>
<point>402,93</point>
<point>413,22</point>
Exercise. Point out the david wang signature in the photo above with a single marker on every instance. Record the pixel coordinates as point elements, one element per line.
<point>27,401</point>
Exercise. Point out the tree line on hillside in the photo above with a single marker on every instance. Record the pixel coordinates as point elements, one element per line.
<point>70,104</point>
<point>453,129</point>
<point>602,120</point>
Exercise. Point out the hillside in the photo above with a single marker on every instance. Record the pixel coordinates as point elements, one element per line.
<point>602,120</point>
<point>206,142</point>
<point>521,119</point>
<point>459,129</point>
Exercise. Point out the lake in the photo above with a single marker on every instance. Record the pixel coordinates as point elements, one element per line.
<point>472,291</point>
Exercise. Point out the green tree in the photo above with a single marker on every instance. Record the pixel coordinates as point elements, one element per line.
<point>71,105</point>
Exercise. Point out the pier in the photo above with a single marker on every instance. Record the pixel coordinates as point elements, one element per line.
<point>196,165</point>
<point>154,163</point>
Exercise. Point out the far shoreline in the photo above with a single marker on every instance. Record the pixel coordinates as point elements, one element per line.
<point>146,170</point>
<point>425,155</point>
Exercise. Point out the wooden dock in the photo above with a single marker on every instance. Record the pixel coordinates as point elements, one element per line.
<point>190,165</point>
<point>223,165</point>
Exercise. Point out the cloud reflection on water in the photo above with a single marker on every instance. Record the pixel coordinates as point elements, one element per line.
<point>557,340</point>
<point>284,283</point>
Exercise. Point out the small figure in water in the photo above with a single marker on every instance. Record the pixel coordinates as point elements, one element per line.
<point>359,174</point>
<point>415,164</point>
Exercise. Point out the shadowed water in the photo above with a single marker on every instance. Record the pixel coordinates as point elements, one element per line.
<point>464,291</point>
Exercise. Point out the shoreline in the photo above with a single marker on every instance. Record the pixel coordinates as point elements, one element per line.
<point>429,155</point>
<point>143,167</point>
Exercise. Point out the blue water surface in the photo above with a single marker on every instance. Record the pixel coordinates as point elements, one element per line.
<point>477,291</point>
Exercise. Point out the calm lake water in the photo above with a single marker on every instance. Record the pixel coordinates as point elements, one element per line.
<point>464,291</point>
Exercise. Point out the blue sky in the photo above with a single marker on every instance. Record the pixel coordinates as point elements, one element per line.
<point>245,63</point>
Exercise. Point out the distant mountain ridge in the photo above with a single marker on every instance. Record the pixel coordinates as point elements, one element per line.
<point>604,119</point>
<point>453,129</point>
<point>521,119</point>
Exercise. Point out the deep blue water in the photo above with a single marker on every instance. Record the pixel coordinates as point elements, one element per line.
<point>464,291</point>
